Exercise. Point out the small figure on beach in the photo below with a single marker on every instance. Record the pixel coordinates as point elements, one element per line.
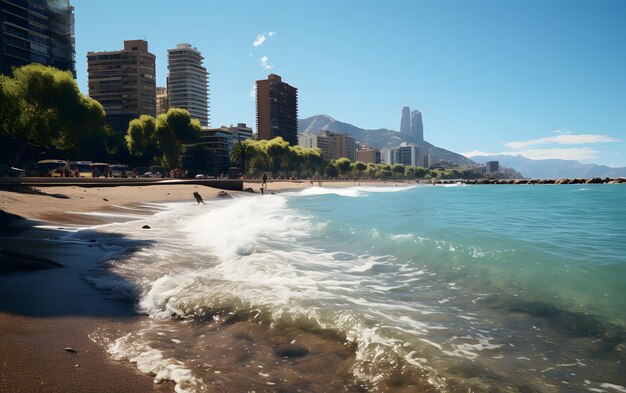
<point>264,178</point>
<point>262,191</point>
<point>198,197</point>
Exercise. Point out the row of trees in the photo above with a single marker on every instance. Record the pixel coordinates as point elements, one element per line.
<point>280,159</point>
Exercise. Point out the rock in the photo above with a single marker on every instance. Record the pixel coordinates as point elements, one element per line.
<point>146,227</point>
<point>14,262</point>
<point>104,199</point>
<point>71,350</point>
<point>223,194</point>
<point>562,181</point>
<point>249,189</point>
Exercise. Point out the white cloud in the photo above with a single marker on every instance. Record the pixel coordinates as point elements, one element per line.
<point>259,40</point>
<point>253,91</point>
<point>271,33</point>
<point>264,61</point>
<point>474,153</point>
<point>562,139</point>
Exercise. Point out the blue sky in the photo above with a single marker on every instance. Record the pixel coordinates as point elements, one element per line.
<point>542,78</point>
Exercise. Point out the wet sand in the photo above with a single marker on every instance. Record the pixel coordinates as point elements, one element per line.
<point>44,312</point>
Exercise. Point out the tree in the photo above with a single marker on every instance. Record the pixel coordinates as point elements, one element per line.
<point>360,168</point>
<point>343,165</point>
<point>397,169</point>
<point>43,106</point>
<point>141,139</point>
<point>331,170</point>
<point>174,129</point>
<point>276,149</point>
<point>243,151</point>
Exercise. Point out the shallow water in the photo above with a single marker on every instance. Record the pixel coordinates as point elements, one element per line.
<point>488,288</point>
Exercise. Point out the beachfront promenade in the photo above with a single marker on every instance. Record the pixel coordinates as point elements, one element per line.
<point>13,182</point>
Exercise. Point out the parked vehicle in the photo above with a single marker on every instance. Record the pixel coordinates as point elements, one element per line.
<point>53,168</point>
<point>160,170</point>
<point>200,176</point>
<point>118,170</point>
<point>9,171</point>
<point>100,169</point>
<point>80,168</point>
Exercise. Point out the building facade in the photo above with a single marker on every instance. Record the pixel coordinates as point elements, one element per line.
<point>345,145</point>
<point>322,142</point>
<point>492,166</point>
<point>124,82</point>
<point>405,154</point>
<point>405,120</point>
<point>188,82</point>
<point>276,109</point>
<point>220,142</point>
<point>37,31</point>
<point>368,155</point>
<point>162,103</point>
<point>417,127</point>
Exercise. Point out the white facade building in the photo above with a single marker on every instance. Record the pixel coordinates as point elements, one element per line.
<point>188,82</point>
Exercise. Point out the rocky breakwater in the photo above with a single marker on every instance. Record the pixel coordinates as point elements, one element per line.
<point>595,180</point>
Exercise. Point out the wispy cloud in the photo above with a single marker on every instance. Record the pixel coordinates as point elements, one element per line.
<point>253,91</point>
<point>264,61</point>
<point>260,39</point>
<point>562,139</point>
<point>271,33</point>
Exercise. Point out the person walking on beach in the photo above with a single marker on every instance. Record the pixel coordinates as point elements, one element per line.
<point>264,178</point>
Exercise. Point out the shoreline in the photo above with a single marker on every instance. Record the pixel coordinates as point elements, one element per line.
<point>42,312</point>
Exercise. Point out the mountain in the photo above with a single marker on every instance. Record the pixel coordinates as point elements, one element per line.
<point>554,168</point>
<point>380,138</point>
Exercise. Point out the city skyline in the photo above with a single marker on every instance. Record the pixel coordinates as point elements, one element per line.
<point>539,79</point>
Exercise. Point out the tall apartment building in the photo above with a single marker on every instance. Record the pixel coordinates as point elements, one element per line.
<point>405,120</point>
<point>36,31</point>
<point>417,127</point>
<point>188,82</point>
<point>162,103</point>
<point>124,82</point>
<point>276,109</point>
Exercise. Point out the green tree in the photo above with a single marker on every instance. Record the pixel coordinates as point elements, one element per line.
<point>42,106</point>
<point>360,168</point>
<point>331,170</point>
<point>243,152</point>
<point>343,165</point>
<point>276,149</point>
<point>174,129</point>
<point>397,170</point>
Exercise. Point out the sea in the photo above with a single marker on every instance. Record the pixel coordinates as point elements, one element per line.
<point>401,288</point>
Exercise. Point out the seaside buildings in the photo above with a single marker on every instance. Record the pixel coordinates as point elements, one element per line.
<point>220,142</point>
<point>162,103</point>
<point>332,145</point>
<point>276,109</point>
<point>36,31</point>
<point>188,82</point>
<point>405,154</point>
<point>124,82</point>
<point>492,166</point>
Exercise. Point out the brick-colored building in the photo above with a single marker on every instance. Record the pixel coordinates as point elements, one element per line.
<point>276,109</point>
<point>124,82</point>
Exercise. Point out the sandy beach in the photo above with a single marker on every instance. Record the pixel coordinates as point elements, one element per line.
<point>44,312</point>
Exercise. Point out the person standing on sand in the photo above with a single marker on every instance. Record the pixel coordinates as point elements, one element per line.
<point>264,178</point>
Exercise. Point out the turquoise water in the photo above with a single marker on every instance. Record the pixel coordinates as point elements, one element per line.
<point>439,288</point>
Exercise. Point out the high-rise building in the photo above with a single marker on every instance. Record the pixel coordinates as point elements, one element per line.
<point>405,121</point>
<point>492,166</point>
<point>276,109</point>
<point>417,127</point>
<point>162,104</point>
<point>188,82</point>
<point>36,31</point>
<point>124,82</point>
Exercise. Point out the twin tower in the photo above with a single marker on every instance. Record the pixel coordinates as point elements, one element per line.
<point>411,123</point>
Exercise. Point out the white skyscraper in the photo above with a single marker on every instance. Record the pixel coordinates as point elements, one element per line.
<point>188,82</point>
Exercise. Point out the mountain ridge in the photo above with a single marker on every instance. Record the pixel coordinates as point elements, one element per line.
<point>377,138</point>
<point>552,168</point>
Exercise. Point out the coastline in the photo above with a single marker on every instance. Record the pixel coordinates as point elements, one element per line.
<point>43,312</point>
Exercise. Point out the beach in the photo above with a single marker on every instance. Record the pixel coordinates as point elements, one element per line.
<point>45,311</point>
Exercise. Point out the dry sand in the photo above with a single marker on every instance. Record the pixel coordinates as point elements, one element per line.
<point>42,313</point>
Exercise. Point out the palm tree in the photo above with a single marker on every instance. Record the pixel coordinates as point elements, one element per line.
<point>242,151</point>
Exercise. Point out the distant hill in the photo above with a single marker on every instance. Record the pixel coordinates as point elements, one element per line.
<point>380,138</point>
<point>554,168</point>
